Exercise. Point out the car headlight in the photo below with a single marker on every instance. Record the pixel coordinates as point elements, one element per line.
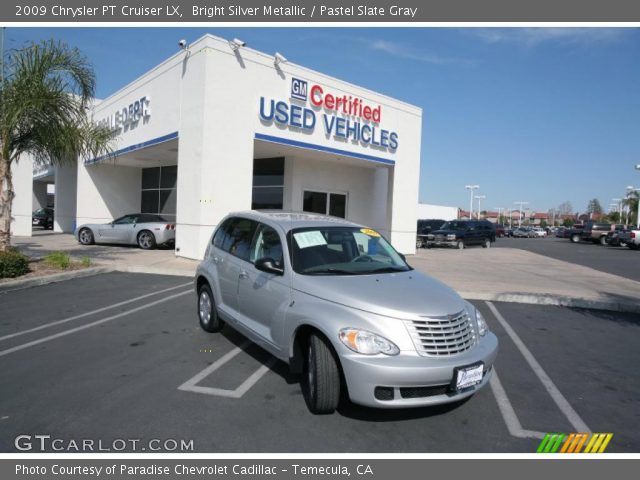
<point>451,236</point>
<point>367,343</point>
<point>482,324</point>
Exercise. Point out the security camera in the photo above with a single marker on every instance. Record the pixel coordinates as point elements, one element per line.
<point>182,44</point>
<point>236,43</point>
<point>279,58</point>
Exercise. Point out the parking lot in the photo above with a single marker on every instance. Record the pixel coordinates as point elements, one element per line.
<point>615,260</point>
<point>121,356</point>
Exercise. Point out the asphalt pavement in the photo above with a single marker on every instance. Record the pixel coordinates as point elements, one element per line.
<point>102,359</point>
<point>620,261</point>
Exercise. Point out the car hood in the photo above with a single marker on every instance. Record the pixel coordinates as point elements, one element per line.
<point>406,295</point>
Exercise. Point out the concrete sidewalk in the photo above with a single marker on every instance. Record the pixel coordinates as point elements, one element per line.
<point>514,275</point>
<point>117,257</point>
<point>499,274</point>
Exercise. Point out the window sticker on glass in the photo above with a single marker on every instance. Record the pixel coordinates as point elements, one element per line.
<point>309,239</point>
<point>368,231</point>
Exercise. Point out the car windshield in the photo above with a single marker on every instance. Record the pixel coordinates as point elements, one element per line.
<point>342,251</point>
<point>40,211</point>
<point>454,226</point>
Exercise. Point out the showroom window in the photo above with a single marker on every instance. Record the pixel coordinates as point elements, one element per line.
<point>326,203</point>
<point>268,184</point>
<point>158,192</point>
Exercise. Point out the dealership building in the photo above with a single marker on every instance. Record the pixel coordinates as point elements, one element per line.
<point>219,127</point>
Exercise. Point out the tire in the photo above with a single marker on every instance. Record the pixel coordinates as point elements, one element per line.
<point>146,240</point>
<point>603,240</point>
<point>85,236</point>
<point>487,243</point>
<point>207,312</point>
<point>460,245</point>
<point>575,238</point>
<point>321,384</point>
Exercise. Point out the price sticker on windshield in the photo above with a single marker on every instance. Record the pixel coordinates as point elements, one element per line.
<point>368,231</point>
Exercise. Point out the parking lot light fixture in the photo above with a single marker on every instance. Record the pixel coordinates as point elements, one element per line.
<point>471,188</point>
<point>520,204</point>
<point>479,197</point>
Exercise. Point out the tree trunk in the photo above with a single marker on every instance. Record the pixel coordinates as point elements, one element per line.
<point>6,200</point>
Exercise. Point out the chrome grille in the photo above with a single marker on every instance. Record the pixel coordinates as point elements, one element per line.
<point>442,336</point>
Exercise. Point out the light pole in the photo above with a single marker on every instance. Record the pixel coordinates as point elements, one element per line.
<point>499,210</point>
<point>479,197</point>
<point>471,188</point>
<point>520,210</point>
<point>618,204</point>
<point>638,213</point>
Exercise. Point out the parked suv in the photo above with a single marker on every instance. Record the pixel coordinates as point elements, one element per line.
<point>425,227</point>
<point>337,303</point>
<point>595,232</point>
<point>462,233</point>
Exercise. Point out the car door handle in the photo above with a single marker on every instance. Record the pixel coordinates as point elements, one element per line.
<point>217,260</point>
<point>243,274</point>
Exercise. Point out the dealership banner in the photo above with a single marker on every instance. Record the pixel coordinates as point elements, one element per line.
<point>326,11</point>
<point>296,468</point>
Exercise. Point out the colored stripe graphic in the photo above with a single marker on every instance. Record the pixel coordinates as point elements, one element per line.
<point>573,443</point>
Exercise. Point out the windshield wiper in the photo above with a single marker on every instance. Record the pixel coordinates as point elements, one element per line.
<point>330,271</point>
<point>388,270</point>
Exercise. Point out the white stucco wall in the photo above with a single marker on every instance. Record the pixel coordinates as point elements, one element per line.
<point>439,212</point>
<point>22,175</point>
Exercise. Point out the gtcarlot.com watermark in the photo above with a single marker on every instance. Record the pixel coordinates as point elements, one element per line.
<point>47,443</point>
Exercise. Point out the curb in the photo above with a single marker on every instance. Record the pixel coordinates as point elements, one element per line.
<point>56,277</point>
<point>554,300</point>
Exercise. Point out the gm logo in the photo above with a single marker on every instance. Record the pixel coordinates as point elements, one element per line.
<point>298,89</point>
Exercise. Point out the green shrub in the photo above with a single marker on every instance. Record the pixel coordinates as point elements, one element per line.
<point>13,264</point>
<point>58,260</point>
<point>85,262</point>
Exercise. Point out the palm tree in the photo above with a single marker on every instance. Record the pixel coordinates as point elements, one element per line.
<point>631,202</point>
<point>45,95</point>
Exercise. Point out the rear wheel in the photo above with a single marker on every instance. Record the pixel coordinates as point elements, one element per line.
<point>322,376</point>
<point>575,238</point>
<point>146,240</point>
<point>207,312</point>
<point>603,240</point>
<point>487,243</point>
<point>85,236</point>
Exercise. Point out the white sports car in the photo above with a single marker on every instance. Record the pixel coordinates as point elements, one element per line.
<point>142,229</point>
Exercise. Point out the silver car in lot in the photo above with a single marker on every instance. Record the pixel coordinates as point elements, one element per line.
<point>337,303</point>
<point>142,229</point>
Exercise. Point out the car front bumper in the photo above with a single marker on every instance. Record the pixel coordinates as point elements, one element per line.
<point>442,243</point>
<point>416,380</point>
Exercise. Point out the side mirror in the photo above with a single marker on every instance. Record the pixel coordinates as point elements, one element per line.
<point>268,265</point>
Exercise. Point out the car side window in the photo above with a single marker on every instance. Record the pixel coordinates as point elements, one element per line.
<point>266,243</point>
<point>126,220</point>
<point>221,233</point>
<point>238,240</point>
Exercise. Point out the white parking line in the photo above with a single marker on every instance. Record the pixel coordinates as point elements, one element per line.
<point>559,399</point>
<point>191,385</point>
<point>89,325</point>
<point>92,312</point>
<point>508,413</point>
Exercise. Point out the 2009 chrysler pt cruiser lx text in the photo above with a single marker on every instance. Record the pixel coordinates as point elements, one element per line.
<point>337,303</point>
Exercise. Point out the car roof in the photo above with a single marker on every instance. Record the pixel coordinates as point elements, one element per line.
<point>288,220</point>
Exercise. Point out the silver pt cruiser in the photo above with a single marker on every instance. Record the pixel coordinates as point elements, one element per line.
<point>337,303</point>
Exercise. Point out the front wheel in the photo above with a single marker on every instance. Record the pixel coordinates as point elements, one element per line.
<point>86,237</point>
<point>207,312</point>
<point>460,245</point>
<point>603,240</point>
<point>146,240</point>
<point>322,377</point>
<point>575,238</point>
<point>487,243</point>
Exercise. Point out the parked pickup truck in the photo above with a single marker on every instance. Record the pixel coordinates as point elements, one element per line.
<point>631,238</point>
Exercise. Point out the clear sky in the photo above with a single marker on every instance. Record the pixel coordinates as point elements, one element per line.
<point>543,115</point>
